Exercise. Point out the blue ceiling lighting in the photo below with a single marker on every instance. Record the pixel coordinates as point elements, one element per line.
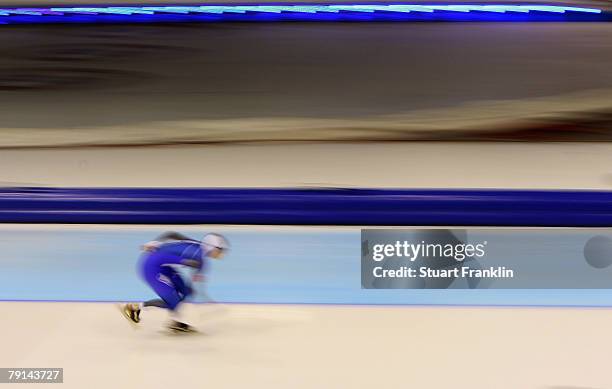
<point>299,12</point>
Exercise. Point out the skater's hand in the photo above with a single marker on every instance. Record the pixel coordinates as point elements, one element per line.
<point>150,246</point>
<point>198,277</point>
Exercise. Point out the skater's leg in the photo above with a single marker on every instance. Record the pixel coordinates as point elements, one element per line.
<point>183,288</point>
<point>159,303</point>
<point>162,284</point>
<point>170,301</point>
<point>160,279</point>
<point>171,289</point>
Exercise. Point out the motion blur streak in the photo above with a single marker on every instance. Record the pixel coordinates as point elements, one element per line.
<point>300,12</point>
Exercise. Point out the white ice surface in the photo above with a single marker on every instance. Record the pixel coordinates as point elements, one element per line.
<point>266,346</point>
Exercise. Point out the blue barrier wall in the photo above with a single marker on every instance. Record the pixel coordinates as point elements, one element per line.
<point>307,207</point>
<point>318,265</point>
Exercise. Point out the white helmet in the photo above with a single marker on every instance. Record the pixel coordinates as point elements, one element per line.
<point>215,241</point>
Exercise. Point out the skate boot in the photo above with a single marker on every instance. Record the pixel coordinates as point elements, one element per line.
<point>131,312</point>
<point>177,326</point>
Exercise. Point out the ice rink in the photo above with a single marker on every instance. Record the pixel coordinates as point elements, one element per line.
<point>278,346</point>
<point>314,346</point>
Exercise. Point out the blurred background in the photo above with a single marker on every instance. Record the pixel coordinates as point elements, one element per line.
<point>201,83</point>
<point>335,102</point>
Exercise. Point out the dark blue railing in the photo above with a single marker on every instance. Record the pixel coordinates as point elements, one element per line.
<point>399,207</point>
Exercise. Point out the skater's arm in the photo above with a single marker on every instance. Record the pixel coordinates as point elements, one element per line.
<point>193,257</point>
<point>197,267</point>
<point>171,259</point>
<point>198,271</point>
<point>193,263</point>
<point>197,264</point>
<point>150,246</point>
<point>171,235</point>
<point>163,238</point>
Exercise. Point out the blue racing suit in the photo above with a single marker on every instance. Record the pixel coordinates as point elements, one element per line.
<point>159,267</point>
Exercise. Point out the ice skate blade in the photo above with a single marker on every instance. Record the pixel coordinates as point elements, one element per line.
<point>175,332</point>
<point>120,308</point>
